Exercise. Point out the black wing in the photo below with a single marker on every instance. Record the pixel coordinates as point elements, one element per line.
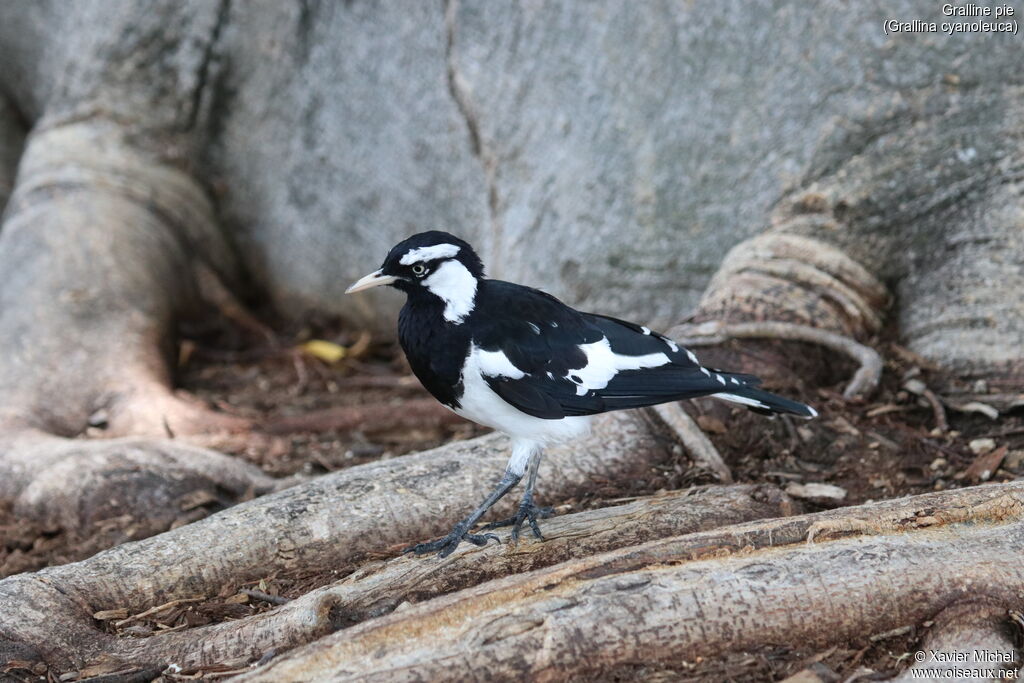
<point>577,363</point>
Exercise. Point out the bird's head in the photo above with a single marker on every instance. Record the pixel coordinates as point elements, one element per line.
<point>431,263</point>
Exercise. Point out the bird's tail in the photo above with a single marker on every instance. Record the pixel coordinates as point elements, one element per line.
<point>767,403</point>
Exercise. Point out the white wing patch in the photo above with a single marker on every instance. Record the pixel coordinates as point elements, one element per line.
<point>496,364</point>
<point>436,251</point>
<point>480,404</point>
<point>603,364</point>
<point>456,286</point>
<point>743,400</point>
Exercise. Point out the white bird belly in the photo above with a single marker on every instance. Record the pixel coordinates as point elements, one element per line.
<point>480,404</point>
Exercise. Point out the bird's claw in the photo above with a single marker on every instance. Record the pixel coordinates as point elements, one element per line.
<point>527,512</point>
<point>447,545</point>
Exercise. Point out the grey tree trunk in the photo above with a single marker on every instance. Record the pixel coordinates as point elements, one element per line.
<point>12,137</point>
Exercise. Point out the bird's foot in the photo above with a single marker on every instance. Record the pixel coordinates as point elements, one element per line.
<point>527,512</point>
<point>447,545</point>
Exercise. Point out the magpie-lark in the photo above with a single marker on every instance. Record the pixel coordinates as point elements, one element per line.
<point>520,361</point>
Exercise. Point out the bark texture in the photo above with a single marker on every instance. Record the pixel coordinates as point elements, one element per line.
<point>701,595</point>
<point>557,136</point>
<point>969,641</point>
<point>378,588</point>
<point>333,522</point>
<point>99,245</point>
<point>12,138</point>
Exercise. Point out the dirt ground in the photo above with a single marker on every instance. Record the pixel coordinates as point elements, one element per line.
<point>317,416</point>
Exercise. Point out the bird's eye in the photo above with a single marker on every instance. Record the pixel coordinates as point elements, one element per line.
<point>419,269</point>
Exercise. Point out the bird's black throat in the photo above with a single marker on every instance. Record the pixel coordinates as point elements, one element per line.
<point>436,348</point>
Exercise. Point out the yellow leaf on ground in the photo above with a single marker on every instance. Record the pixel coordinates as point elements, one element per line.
<point>329,352</point>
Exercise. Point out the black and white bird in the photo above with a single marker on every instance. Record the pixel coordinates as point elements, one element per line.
<point>520,361</point>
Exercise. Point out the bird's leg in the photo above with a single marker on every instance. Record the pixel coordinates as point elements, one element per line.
<point>445,546</point>
<point>527,511</point>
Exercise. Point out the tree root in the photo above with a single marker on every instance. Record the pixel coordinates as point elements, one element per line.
<point>323,525</point>
<point>781,285</point>
<point>779,275</point>
<point>381,587</point>
<point>711,333</point>
<point>698,595</point>
<point>149,480</point>
<point>98,250</point>
<point>960,634</point>
<point>120,578</point>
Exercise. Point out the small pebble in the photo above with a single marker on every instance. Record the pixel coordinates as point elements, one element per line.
<point>982,446</point>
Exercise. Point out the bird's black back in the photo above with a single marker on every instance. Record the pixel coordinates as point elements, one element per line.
<point>542,337</point>
<point>504,324</point>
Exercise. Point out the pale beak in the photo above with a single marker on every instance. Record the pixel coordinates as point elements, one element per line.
<point>374,279</point>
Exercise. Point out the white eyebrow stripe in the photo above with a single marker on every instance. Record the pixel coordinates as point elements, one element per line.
<point>428,253</point>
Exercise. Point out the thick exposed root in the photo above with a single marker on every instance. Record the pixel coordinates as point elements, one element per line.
<point>381,587</point>
<point>968,641</point>
<point>700,595</point>
<point>787,287</point>
<point>323,525</point>
<point>96,256</point>
<point>791,278</point>
<point>79,484</point>
<point>864,381</point>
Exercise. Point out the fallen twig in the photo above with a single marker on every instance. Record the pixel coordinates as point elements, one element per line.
<point>265,597</point>
<point>916,386</point>
<point>157,609</point>
<point>937,410</point>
